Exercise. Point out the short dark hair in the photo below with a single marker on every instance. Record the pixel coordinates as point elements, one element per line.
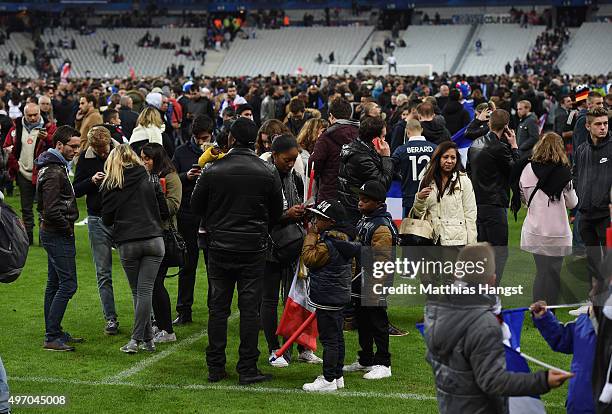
<point>90,98</point>
<point>283,143</point>
<point>109,114</point>
<point>425,109</point>
<point>202,123</point>
<point>340,108</point>
<point>499,119</point>
<point>454,95</point>
<point>296,106</point>
<point>64,133</point>
<point>370,128</point>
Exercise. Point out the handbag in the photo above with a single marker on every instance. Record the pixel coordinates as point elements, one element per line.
<point>287,242</point>
<point>176,249</point>
<point>415,231</point>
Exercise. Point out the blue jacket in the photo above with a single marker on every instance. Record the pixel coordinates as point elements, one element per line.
<point>578,338</point>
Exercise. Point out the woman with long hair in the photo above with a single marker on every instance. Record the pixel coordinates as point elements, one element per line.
<point>135,207</point>
<point>159,166</point>
<point>150,128</point>
<point>546,187</point>
<point>310,132</point>
<point>446,195</point>
<point>269,129</point>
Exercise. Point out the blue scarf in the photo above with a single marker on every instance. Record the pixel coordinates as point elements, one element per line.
<point>58,155</point>
<point>195,147</point>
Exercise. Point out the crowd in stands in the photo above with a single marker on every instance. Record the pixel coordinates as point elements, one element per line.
<point>156,160</point>
<point>542,57</point>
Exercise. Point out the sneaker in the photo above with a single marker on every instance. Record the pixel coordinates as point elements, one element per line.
<point>321,385</point>
<point>163,336</point>
<point>69,339</point>
<point>378,372</point>
<point>356,366</point>
<point>182,319</point>
<point>58,345</point>
<point>131,347</point>
<point>112,327</point>
<point>155,330</point>
<point>82,222</point>
<point>279,362</point>
<point>340,383</point>
<point>309,357</point>
<point>393,331</point>
<point>148,346</point>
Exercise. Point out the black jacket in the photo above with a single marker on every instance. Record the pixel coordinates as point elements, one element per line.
<point>184,157</point>
<point>456,117</point>
<point>137,209</point>
<point>129,119</point>
<point>527,133</point>
<point>593,177</point>
<point>476,129</point>
<point>490,162</point>
<point>239,197</point>
<point>87,166</point>
<point>359,162</point>
<point>398,135</point>
<point>56,201</point>
<point>435,131</point>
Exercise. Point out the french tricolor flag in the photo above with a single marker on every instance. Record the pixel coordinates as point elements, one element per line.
<point>394,202</point>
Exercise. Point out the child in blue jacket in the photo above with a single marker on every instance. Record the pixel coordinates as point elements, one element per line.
<point>579,338</point>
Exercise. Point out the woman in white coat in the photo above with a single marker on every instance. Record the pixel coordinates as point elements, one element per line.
<point>447,197</point>
<point>546,187</point>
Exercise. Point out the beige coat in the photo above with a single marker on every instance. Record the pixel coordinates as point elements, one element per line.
<point>454,217</point>
<point>87,122</point>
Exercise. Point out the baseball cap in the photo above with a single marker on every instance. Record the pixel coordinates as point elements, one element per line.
<point>244,131</point>
<point>372,189</point>
<point>331,209</point>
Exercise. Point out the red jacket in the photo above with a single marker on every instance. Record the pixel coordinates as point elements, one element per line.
<point>14,138</point>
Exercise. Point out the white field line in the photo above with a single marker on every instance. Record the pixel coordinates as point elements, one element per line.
<point>236,388</point>
<point>145,363</point>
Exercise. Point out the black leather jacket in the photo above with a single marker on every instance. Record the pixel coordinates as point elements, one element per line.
<point>490,162</point>
<point>240,197</point>
<point>359,163</point>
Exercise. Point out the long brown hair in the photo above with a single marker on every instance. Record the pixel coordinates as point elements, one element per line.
<point>271,127</point>
<point>550,150</point>
<point>433,172</point>
<point>310,132</point>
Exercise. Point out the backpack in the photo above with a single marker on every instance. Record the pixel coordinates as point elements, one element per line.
<point>13,244</point>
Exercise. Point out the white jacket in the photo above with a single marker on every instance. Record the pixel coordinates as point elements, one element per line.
<point>149,134</point>
<point>454,217</point>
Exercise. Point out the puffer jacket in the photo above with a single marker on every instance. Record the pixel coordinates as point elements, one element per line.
<point>239,197</point>
<point>326,157</point>
<point>329,259</point>
<point>359,162</point>
<point>56,200</point>
<point>489,165</point>
<point>454,217</point>
<point>593,177</point>
<point>466,353</point>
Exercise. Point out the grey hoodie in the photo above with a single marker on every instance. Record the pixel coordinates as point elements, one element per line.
<point>465,350</point>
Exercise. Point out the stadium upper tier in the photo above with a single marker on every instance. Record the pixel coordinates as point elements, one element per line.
<point>292,50</point>
<point>588,51</point>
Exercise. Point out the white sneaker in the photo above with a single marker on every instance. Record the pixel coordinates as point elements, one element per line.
<point>82,222</point>
<point>163,336</point>
<point>309,357</point>
<point>378,372</point>
<point>321,385</point>
<point>280,362</point>
<point>340,383</point>
<point>356,366</point>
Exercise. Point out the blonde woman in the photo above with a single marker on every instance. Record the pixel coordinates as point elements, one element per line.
<point>311,131</point>
<point>150,128</point>
<point>546,187</point>
<point>135,207</point>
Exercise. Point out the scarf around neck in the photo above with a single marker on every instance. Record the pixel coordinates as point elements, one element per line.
<point>552,178</point>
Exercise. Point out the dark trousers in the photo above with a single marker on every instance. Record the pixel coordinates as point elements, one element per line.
<point>331,336</point>
<point>547,283</point>
<point>246,273</point>
<point>27,194</point>
<point>188,227</point>
<point>373,328</point>
<point>161,301</point>
<point>593,232</point>
<point>61,280</point>
<point>492,225</point>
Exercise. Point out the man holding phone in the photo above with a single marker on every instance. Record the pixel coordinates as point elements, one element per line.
<point>88,177</point>
<point>490,161</point>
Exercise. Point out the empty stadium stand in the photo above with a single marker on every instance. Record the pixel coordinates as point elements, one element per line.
<point>588,51</point>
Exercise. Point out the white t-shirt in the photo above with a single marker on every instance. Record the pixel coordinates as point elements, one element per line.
<point>391,60</point>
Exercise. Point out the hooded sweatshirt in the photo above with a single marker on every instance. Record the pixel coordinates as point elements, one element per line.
<point>456,116</point>
<point>435,131</point>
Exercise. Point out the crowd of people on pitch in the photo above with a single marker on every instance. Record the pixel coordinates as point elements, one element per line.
<point>222,167</point>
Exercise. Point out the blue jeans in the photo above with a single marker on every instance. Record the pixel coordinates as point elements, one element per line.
<point>61,280</point>
<point>101,242</point>
<point>4,390</point>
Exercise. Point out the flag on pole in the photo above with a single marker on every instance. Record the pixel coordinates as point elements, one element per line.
<point>66,68</point>
<point>463,143</point>
<point>297,311</point>
<point>542,122</point>
<point>394,202</point>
